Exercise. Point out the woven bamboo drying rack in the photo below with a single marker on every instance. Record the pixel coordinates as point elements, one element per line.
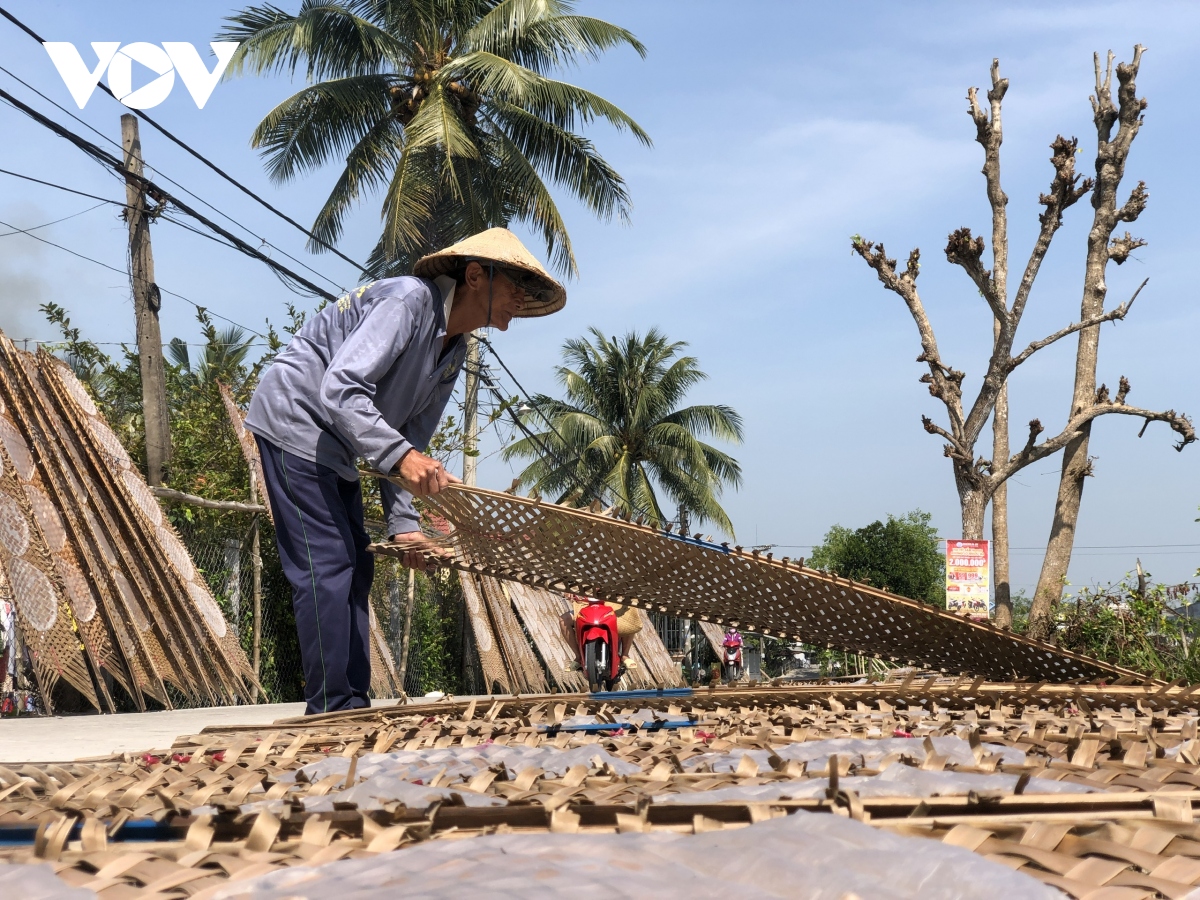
<point>101,582</point>
<point>1135,746</point>
<point>566,549</point>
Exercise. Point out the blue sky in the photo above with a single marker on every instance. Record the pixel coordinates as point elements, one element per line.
<point>779,130</point>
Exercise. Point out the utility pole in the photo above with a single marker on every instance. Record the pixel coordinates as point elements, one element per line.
<point>471,411</point>
<point>146,303</point>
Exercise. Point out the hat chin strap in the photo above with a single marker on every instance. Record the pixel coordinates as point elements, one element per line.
<point>491,276</point>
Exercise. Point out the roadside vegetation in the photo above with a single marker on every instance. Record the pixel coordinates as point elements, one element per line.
<point>1135,623</point>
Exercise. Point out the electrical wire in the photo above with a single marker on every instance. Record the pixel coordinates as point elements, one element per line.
<point>128,275</point>
<point>159,193</point>
<point>62,188</point>
<point>245,190</point>
<point>55,222</point>
<point>175,342</point>
<point>166,177</point>
<point>166,216</point>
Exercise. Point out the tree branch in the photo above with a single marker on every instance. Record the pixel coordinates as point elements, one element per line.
<point>1111,316</point>
<point>1065,191</point>
<point>1032,452</point>
<point>1120,248</point>
<point>1135,205</point>
<point>1035,428</point>
<point>944,383</point>
<point>953,448</point>
<point>1122,390</point>
<point>962,249</point>
<point>989,132</point>
<point>172,496</point>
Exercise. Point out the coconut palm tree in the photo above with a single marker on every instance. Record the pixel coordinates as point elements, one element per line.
<point>620,431</point>
<point>222,359</point>
<point>445,106</point>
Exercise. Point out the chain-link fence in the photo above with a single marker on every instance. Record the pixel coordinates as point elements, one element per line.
<point>258,604</point>
<point>441,647</point>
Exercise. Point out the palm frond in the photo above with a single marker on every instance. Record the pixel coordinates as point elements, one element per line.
<point>321,123</point>
<point>407,205</point>
<point>539,35</point>
<point>532,203</point>
<point>503,81</point>
<point>177,353</point>
<point>366,167</point>
<point>568,160</point>
<point>722,422</point>
<point>327,39</point>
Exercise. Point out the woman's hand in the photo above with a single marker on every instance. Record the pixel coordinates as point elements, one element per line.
<point>417,549</point>
<point>423,475</point>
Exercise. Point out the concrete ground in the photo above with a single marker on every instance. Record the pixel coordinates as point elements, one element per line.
<point>67,738</point>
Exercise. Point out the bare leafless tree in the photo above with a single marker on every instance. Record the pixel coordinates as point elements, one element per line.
<point>1112,151</point>
<point>977,479</point>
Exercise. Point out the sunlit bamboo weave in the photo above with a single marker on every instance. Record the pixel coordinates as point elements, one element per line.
<point>565,549</point>
<point>101,582</point>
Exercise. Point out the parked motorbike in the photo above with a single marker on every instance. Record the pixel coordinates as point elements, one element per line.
<point>731,657</point>
<point>599,639</point>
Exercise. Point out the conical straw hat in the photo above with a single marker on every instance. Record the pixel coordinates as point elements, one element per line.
<point>501,246</point>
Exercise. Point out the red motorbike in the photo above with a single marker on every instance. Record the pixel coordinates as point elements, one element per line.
<point>599,645</point>
<point>732,657</point>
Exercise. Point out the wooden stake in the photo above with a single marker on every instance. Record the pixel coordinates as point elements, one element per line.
<point>256,564</point>
<point>408,611</point>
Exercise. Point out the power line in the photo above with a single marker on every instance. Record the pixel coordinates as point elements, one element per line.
<point>167,177</point>
<point>165,215</point>
<point>1110,555</point>
<point>106,158</point>
<point>175,341</point>
<point>127,275</point>
<point>55,222</point>
<point>149,121</point>
<point>1113,546</point>
<point>62,188</point>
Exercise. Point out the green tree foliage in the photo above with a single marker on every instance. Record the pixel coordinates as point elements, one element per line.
<point>621,428</point>
<point>206,459</point>
<point>447,107</point>
<point>901,555</point>
<point>223,358</point>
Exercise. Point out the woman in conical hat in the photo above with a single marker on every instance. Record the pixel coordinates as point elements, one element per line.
<point>369,377</point>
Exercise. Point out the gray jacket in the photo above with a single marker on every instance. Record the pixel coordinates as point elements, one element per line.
<point>366,377</point>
